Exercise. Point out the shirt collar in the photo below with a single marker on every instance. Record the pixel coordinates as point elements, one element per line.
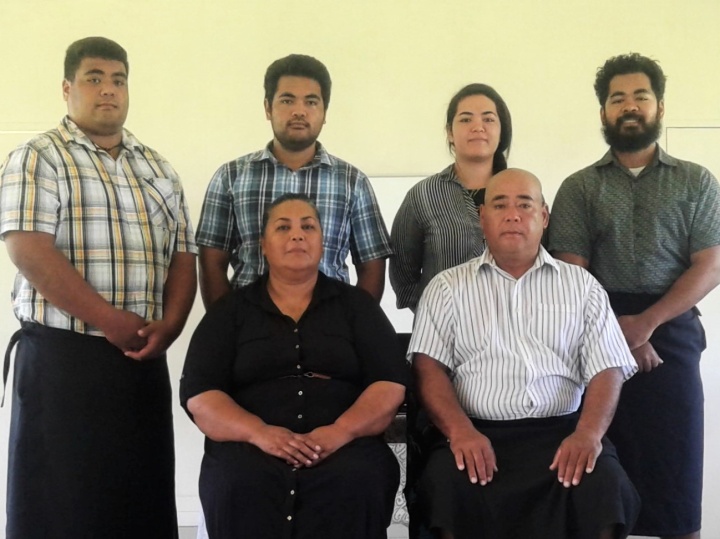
<point>70,132</point>
<point>543,259</point>
<point>660,157</point>
<point>321,157</point>
<point>257,292</point>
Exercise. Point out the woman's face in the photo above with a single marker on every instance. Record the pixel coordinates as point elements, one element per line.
<point>292,239</point>
<point>475,130</point>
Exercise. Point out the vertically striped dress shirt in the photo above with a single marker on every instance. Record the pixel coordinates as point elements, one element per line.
<point>519,348</point>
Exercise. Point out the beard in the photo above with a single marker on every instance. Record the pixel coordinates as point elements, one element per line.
<point>634,140</point>
<point>295,142</point>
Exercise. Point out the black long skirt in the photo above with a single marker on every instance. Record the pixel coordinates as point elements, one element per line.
<point>91,441</point>
<point>659,425</point>
<point>525,500</point>
<point>248,494</point>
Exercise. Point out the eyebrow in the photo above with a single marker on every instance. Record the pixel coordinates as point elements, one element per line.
<point>505,197</point>
<point>484,113</point>
<point>306,218</point>
<point>290,94</point>
<point>101,72</point>
<point>639,91</point>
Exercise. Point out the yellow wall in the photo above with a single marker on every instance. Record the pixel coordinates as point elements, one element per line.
<point>196,95</point>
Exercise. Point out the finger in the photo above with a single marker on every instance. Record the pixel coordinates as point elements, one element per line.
<point>555,465</point>
<point>580,468</point>
<point>477,463</point>
<point>304,449</point>
<point>490,463</point>
<point>569,469</point>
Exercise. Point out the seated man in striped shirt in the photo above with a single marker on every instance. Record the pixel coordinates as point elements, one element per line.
<point>504,347</point>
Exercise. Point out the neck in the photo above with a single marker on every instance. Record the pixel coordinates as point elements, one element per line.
<point>474,174</point>
<point>293,160</point>
<point>637,159</point>
<point>516,264</point>
<point>291,295</point>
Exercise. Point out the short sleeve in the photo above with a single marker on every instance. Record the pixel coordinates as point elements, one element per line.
<point>29,195</point>
<point>603,345</point>
<point>216,227</point>
<point>369,239</point>
<point>406,262</point>
<point>705,231</point>
<point>376,343</point>
<point>569,230</point>
<point>434,329</point>
<point>211,354</point>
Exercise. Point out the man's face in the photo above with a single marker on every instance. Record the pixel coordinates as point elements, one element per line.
<point>97,97</point>
<point>514,216</point>
<point>297,113</point>
<point>632,115</point>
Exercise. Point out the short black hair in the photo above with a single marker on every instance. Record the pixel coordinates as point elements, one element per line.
<point>503,149</point>
<point>298,65</point>
<point>93,47</point>
<point>625,64</point>
<point>285,198</point>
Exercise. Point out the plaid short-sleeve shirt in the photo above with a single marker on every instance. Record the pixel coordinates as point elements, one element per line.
<point>117,221</point>
<point>240,191</point>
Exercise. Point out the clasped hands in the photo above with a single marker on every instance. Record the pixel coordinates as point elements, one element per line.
<point>576,455</point>
<point>138,338</point>
<point>300,450</point>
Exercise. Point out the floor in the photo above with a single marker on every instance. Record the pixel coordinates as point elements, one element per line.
<point>396,531</point>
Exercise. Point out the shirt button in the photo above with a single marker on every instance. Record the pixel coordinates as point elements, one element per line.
<point>295,330</point>
<point>297,346</point>
<point>289,517</point>
<point>299,392</point>
<point>299,416</point>
<point>299,367</point>
<point>292,493</point>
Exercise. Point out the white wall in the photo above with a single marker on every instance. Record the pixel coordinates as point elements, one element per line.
<point>196,87</point>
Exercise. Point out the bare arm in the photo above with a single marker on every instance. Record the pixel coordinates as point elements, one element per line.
<point>578,452</point>
<point>371,277</point>
<point>221,419</point>
<point>57,280</point>
<point>369,415</point>
<point>692,286</point>
<point>178,296</point>
<point>472,450</point>
<point>214,282</point>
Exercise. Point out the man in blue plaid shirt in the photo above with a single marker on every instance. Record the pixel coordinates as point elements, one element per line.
<point>297,93</point>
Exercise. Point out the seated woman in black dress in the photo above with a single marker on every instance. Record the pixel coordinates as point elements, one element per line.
<point>292,379</point>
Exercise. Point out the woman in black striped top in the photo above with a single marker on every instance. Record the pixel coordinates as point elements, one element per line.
<point>437,226</point>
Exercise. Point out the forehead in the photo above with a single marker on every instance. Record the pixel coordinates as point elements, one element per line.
<point>477,104</point>
<point>298,86</point>
<point>518,186</point>
<point>629,83</point>
<point>101,66</point>
<point>292,208</point>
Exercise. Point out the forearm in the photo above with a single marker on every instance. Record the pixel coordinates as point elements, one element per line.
<point>214,282</point>
<point>371,277</point>
<point>373,410</point>
<point>56,279</point>
<point>601,398</point>
<point>179,291</point>
<point>689,289</point>
<point>221,419</point>
<point>438,397</point>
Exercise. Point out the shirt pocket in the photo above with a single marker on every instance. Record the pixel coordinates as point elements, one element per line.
<point>556,329</point>
<point>161,205</point>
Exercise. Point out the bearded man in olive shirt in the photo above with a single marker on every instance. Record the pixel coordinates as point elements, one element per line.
<point>647,225</point>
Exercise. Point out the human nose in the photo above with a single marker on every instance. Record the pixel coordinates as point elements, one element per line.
<point>478,126</point>
<point>107,88</point>
<point>512,215</point>
<point>630,105</point>
<point>298,235</point>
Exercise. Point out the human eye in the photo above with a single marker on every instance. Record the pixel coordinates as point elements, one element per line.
<point>94,80</point>
<point>308,226</point>
<point>281,228</point>
<point>120,82</point>
<point>489,119</point>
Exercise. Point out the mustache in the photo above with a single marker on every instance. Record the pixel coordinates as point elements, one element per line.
<point>630,116</point>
